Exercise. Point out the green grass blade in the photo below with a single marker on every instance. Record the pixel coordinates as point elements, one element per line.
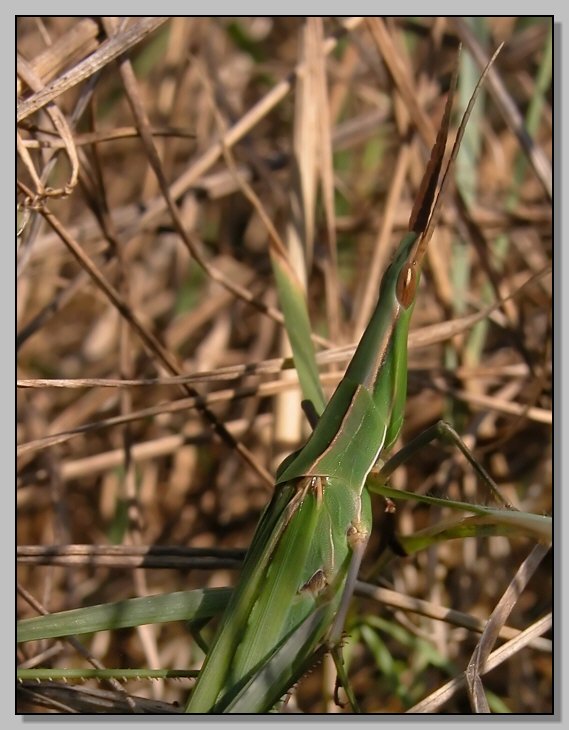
<point>497,522</point>
<point>57,674</point>
<point>180,606</point>
<point>293,304</point>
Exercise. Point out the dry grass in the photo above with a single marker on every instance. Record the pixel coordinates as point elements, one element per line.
<point>141,259</point>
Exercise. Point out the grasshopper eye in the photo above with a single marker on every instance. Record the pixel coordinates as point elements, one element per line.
<point>406,285</point>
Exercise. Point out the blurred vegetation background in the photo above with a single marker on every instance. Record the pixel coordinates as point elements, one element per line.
<point>140,256</point>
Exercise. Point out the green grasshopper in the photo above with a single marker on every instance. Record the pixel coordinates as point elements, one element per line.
<point>299,573</point>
